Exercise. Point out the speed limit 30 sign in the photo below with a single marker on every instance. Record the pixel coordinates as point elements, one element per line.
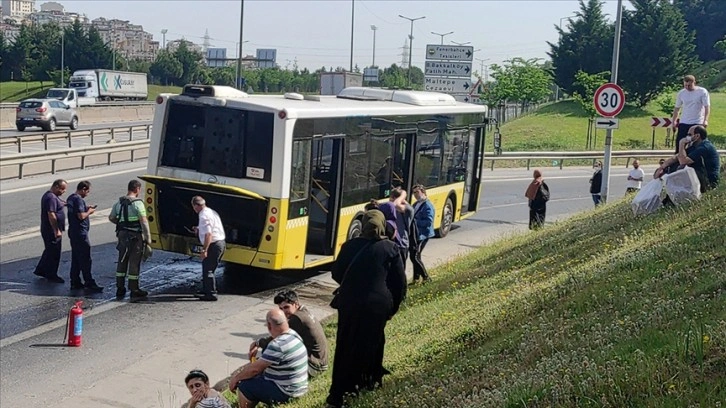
<point>609,100</point>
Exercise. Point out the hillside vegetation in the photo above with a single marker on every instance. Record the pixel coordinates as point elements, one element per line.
<point>602,310</point>
<point>563,126</point>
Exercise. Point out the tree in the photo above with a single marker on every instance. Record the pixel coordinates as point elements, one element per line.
<point>707,18</point>
<point>520,80</point>
<point>191,62</point>
<point>166,68</point>
<point>585,46</point>
<point>721,46</point>
<point>4,50</point>
<point>587,84</point>
<point>656,49</point>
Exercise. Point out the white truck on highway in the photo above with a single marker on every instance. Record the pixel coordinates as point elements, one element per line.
<point>107,85</point>
<point>70,97</point>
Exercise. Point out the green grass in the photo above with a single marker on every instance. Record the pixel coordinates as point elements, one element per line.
<point>15,91</point>
<point>563,126</point>
<point>602,310</point>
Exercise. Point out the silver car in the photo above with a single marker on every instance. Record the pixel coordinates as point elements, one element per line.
<point>46,113</point>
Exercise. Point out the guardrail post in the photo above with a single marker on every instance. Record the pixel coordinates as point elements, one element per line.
<point>93,136</point>
<point>108,162</point>
<point>627,163</point>
<point>148,131</point>
<point>20,144</point>
<point>132,155</point>
<point>562,162</point>
<point>52,166</point>
<point>131,134</point>
<point>83,162</point>
<point>20,170</point>
<point>113,135</point>
<point>70,139</point>
<point>528,161</point>
<point>45,141</point>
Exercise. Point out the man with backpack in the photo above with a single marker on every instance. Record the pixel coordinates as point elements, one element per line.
<point>132,231</point>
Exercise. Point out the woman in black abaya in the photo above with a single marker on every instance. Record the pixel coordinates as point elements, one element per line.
<point>372,286</point>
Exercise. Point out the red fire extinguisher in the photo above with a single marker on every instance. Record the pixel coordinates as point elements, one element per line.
<point>74,324</point>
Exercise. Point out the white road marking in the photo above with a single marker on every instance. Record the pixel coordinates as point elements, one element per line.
<point>19,189</point>
<point>99,217</point>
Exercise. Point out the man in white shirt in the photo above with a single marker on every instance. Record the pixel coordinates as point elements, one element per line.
<point>211,234</point>
<point>635,178</point>
<point>696,105</point>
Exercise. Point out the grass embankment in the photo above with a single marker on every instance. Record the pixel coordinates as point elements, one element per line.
<point>16,91</point>
<point>563,126</point>
<point>602,310</point>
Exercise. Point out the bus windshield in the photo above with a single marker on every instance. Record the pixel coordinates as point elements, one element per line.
<point>218,140</point>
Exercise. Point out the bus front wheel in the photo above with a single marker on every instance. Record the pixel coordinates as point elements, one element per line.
<point>447,218</point>
<point>356,228</point>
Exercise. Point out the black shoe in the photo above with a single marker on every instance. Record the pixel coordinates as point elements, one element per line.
<point>120,293</point>
<point>77,286</point>
<point>38,273</point>
<point>55,279</point>
<point>94,288</point>
<point>200,294</point>
<point>208,298</point>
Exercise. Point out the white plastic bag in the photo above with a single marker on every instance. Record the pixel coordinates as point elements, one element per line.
<point>647,200</point>
<point>683,186</point>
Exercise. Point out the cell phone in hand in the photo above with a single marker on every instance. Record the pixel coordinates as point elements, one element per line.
<point>94,206</point>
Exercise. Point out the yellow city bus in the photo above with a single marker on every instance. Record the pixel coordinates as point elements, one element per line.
<point>290,174</point>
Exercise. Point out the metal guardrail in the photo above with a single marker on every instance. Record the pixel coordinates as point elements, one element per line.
<point>70,135</point>
<point>23,159</point>
<point>594,155</point>
<point>102,103</point>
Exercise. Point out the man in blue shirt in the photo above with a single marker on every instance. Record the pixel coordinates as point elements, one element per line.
<point>52,225</point>
<point>423,217</point>
<point>78,225</point>
<point>695,150</point>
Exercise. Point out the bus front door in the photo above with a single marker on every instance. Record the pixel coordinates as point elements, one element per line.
<point>474,157</point>
<point>325,186</point>
<point>403,161</point>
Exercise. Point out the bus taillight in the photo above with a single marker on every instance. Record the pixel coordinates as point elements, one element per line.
<point>273,210</point>
<point>159,99</point>
<point>148,200</point>
<point>273,220</point>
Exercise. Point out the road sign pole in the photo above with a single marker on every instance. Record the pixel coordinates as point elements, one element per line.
<point>614,80</point>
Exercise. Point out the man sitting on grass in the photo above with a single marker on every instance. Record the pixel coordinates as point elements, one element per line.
<point>304,323</point>
<point>698,152</point>
<point>280,374</point>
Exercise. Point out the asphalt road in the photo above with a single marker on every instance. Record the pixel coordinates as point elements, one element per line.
<point>32,311</point>
<point>12,132</point>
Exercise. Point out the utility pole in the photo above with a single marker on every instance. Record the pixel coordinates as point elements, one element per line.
<point>410,45</point>
<point>614,80</point>
<point>241,41</point>
<point>374,28</point>
<point>442,35</point>
<point>352,26</point>
<point>63,54</point>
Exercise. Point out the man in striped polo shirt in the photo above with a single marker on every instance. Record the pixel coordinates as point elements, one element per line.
<point>281,372</point>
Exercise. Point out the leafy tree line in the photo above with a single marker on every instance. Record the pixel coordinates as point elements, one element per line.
<point>660,41</point>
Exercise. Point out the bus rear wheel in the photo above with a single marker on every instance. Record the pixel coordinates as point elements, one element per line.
<point>447,218</point>
<point>356,228</point>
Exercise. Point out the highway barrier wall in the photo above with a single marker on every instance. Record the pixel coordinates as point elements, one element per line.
<point>89,115</point>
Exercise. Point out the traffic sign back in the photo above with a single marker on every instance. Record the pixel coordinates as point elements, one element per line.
<point>609,100</point>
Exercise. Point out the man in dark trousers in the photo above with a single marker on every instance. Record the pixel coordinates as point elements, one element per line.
<point>211,234</point>
<point>52,225</point>
<point>132,231</point>
<point>78,226</point>
<point>596,184</point>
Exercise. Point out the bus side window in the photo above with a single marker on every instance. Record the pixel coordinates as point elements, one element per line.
<point>300,175</point>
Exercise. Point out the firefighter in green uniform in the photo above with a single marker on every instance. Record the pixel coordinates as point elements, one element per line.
<point>132,231</point>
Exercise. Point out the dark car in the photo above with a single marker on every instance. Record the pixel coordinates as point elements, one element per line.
<point>46,113</point>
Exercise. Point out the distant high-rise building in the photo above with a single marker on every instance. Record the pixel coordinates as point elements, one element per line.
<point>18,8</point>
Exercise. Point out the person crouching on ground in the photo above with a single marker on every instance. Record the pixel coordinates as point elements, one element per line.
<point>304,323</point>
<point>203,396</point>
<point>281,372</point>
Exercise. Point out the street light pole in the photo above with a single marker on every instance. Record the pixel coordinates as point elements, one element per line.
<point>410,44</point>
<point>241,42</point>
<point>613,80</point>
<point>442,35</point>
<point>63,54</point>
<point>461,44</point>
<point>374,28</point>
<point>163,36</point>
<point>352,26</point>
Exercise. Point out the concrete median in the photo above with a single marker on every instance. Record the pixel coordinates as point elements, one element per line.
<point>89,115</point>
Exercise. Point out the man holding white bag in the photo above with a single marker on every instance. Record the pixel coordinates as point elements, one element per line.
<point>696,151</point>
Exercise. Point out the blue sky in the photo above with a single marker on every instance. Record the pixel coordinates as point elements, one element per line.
<point>317,33</point>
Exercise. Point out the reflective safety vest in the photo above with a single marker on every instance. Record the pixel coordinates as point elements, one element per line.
<point>128,220</point>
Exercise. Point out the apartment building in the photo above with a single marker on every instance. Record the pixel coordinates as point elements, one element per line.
<point>17,9</point>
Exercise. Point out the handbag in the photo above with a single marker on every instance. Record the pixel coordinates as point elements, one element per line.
<point>335,302</point>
